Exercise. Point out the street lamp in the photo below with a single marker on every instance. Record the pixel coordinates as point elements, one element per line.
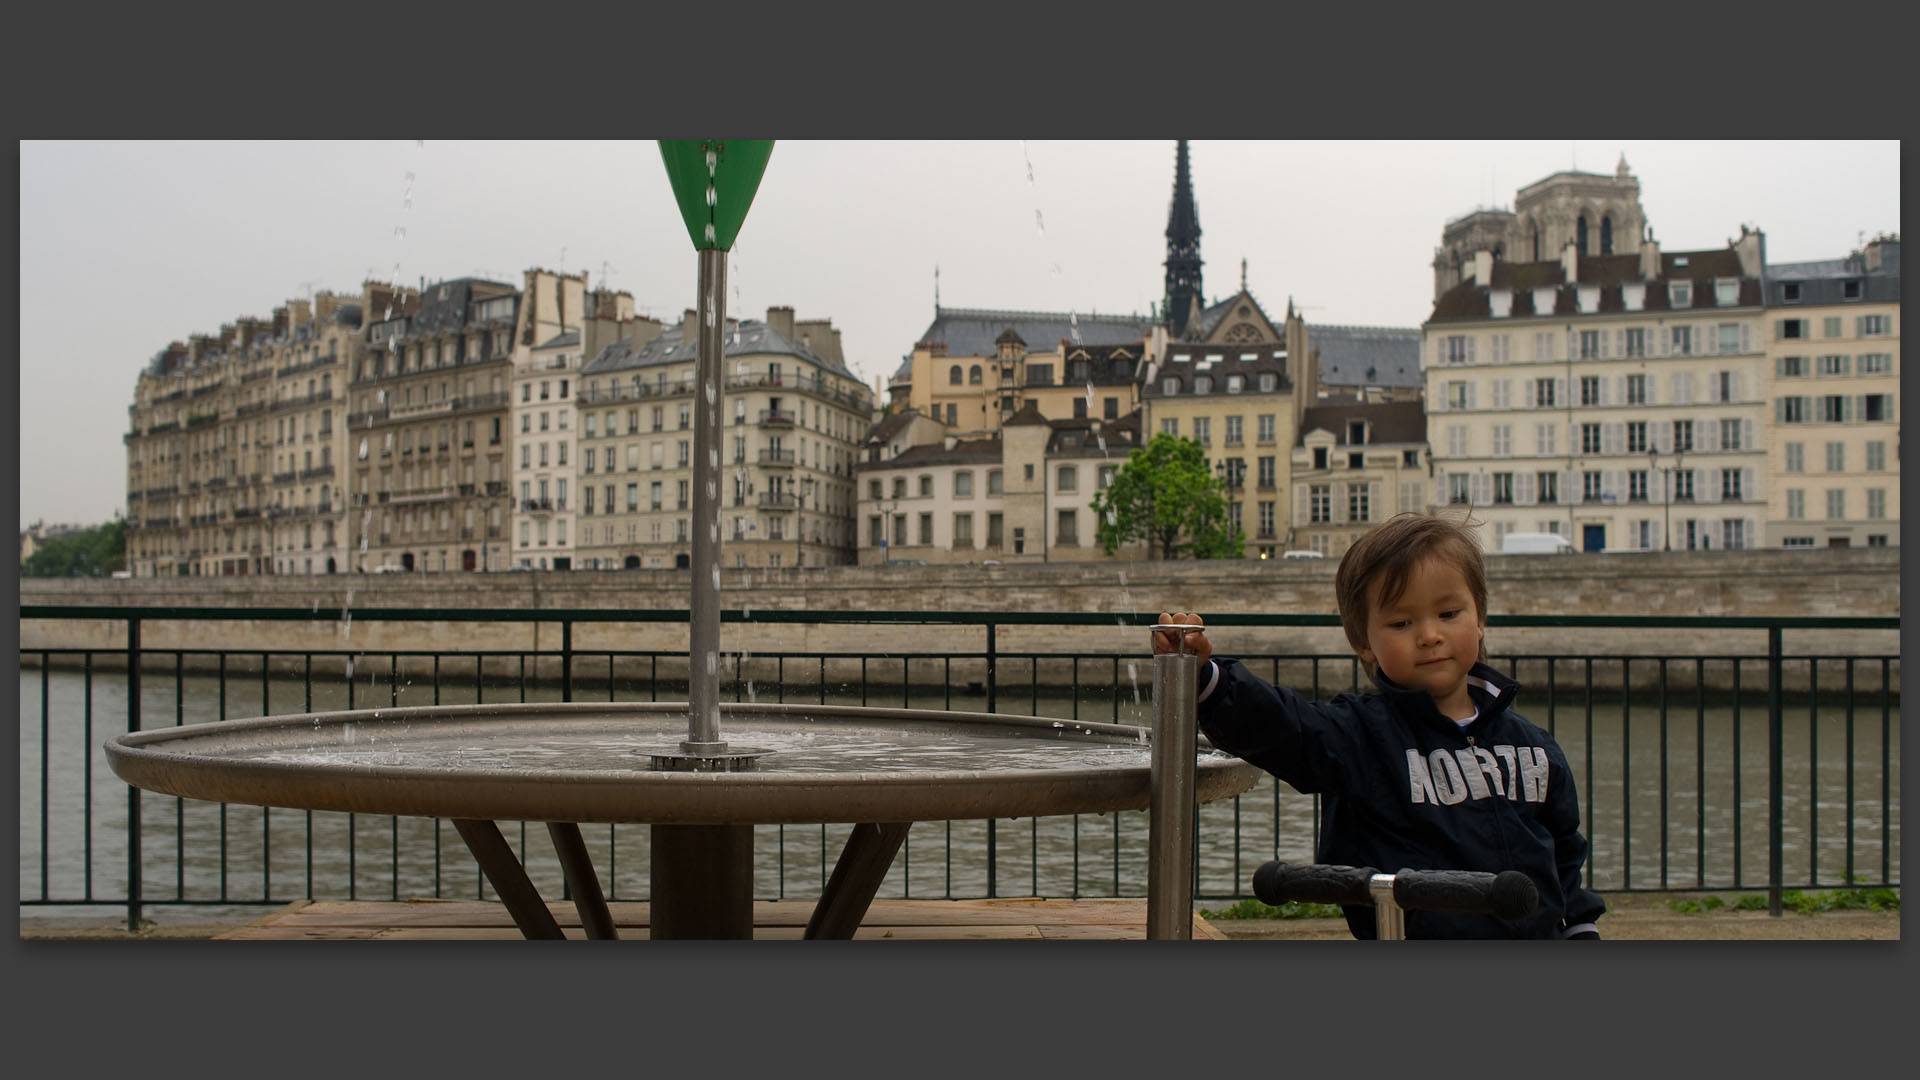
<point>1666,492</point>
<point>800,521</point>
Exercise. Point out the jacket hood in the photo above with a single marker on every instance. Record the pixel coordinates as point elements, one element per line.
<point>1492,694</point>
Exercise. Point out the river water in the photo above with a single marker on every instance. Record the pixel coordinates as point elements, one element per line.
<point>1687,828</point>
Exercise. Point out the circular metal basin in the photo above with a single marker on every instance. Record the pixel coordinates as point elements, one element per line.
<point>584,762</point>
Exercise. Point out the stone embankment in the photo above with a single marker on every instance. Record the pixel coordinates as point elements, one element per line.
<point>1850,582</point>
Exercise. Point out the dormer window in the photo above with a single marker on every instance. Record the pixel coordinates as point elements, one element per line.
<point>1356,433</point>
<point>1203,384</point>
<point>1170,386</point>
<point>1235,383</point>
<point>1726,293</point>
<point>1850,290</point>
<point>1589,298</point>
<point>1680,294</point>
<point>1268,382</point>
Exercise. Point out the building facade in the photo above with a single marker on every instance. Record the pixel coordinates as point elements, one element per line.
<point>1833,379</point>
<point>1356,464</point>
<point>1617,400</point>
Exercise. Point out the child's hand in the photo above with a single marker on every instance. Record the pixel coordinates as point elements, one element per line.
<point>1166,641</point>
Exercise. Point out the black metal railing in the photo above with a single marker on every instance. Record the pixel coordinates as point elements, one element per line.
<point>1693,770</point>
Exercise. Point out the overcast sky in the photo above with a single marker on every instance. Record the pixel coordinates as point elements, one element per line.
<point>126,246</point>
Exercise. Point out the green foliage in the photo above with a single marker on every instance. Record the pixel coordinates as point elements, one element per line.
<point>1750,903</point>
<point>1292,909</point>
<point>1166,496</point>
<point>94,552</point>
<point>1800,901</point>
<point>1691,906</point>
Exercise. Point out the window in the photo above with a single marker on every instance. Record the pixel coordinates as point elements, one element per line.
<point>1263,429</point>
<point>1502,440</point>
<point>1792,410</point>
<point>1235,383</point>
<point>1170,426</point>
<point>1683,436</point>
<point>633,497</point>
<point>1543,393</point>
<point>1636,436</point>
<point>1792,367</point>
<point>1637,341</point>
<point>1066,531</point>
<point>1589,344</point>
<point>1730,485</point>
<point>1457,396</point>
<point>1730,434</point>
<point>1733,534</point>
<point>1797,457</point>
<point>1832,365</point>
<point>1203,384</point>
<point>1726,293</point>
<point>1067,478</point>
<point>1170,386</point>
<point>1203,430</point>
<point>1589,438</point>
<point>954,375</point>
<point>1850,290</point>
<point>1319,503</point>
<point>963,485</point>
<point>1833,409</point>
<point>1544,436</point>
<point>1790,292</point>
<point>1458,491</point>
<point>1870,364</point>
<point>1874,325</point>
<point>963,530</point>
<point>1590,486</point>
<point>1268,382</point>
<point>1107,473</point>
<point>1791,329</point>
<point>1503,487</point>
<point>1547,486</point>
<point>994,531</point>
<point>926,487</point>
<point>1680,295</point>
<point>1683,485</point>
<point>1039,374</point>
<point>876,534</point>
<point>899,487</point>
<point>873,489</point>
<point>1796,504</point>
<point>973,379</point>
<point>1876,407</point>
<point>1358,502</point>
<point>926,529</point>
<point>1263,472</point>
<point>1457,349</point>
<point>1836,504</point>
<point>1682,340</point>
<point>1729,337</point>
<point>1233,431</point>
<point>1876,503</point>
<point>1637,485</point>
<point>1876,457</point>
<point>1836,457</point>
<point>1830,327</point>
<point>1590,390</point>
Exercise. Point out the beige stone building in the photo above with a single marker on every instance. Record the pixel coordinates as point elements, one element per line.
<point>1021,495</point>
<point>429,427</point>
<point>793,417</point>
<point>1602,396</point>
<point>1356,464</point>
<point>546,365</point>
<point>1832,376</point>
<point>237,453</point>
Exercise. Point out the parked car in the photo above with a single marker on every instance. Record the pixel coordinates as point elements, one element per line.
<point>1301,555</point>
<point>1520,543</point>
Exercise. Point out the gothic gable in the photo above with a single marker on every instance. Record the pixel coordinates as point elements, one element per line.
<point>1241,321</point>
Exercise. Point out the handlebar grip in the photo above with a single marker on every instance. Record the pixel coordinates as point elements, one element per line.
<point>1277,883</point>
<point>1509,895</point>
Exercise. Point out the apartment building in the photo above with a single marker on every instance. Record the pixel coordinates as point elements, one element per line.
<point>1616,399</point>
<point>793,417</point>
<point>236,456</point>
<point>1833,379</point>
<point>1023,494</point>
<point>1356,464</point>
<point>546,363</point>
<point>972,369</point>
<point>429,427</point>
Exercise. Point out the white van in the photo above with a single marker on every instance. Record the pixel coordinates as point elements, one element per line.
<point>1301,555</point>
<point>1521,543</point>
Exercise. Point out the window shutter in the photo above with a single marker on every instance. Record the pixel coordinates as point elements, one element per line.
<point>1662,340</point>
<point>1528,385</point>
<point>1573,343</point>
<point>1707,435</point>
<point>1779,410</point>
<point>1746,434</point>
<point>1373,500</point>
<point>1860,326</point>
<point>1662,435</point>
<point>1736,387</point>
<point>1620,389</point>
<point>1705,485</point>
<point>1301,513</point>
<point>1560,391</point>
<point>1652,383</point>
<point>1747,492</point>
<point>1746,338</point>
<point>1470,386</point>
<point>1569,493</point>
<point>1779,367</point>
<point>1753,533</point>
<point>1339,514</point>
<point>1608,492</point>
<point>1470,349</point>
<point>1523,489</point>
<point>1855,406</point>
<point>1439,351</point>
<point>1482,489</point>
<point>1619,343</point>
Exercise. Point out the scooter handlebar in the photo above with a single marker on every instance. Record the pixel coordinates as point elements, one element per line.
<point>1509,895</point>
<point>1314,883</point>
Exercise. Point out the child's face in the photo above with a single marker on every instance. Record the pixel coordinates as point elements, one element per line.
<point>1428,638</point>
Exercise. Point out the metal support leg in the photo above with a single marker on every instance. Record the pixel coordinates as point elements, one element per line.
<point>509,879</point>
<point>581,881</point>
<point>702,882</point>
<point>856,877</point>
<point>1389,918</point>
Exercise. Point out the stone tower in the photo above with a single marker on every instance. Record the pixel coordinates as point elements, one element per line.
<point>1598,214</point>
<point>1183,250</point>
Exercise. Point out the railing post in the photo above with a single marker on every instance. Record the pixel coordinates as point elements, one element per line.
<point>992,690</point>
<point>993,831</point>
<point>1776,857</point>
<point>566,660</point>
<point>133,793</point>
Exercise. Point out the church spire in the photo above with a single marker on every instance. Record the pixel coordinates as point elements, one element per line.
<point>1183,247</point>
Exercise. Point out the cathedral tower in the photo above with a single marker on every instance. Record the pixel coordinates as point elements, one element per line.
<point>1183,250</point>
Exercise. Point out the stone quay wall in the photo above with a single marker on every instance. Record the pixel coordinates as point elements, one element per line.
<point>1850,582</point>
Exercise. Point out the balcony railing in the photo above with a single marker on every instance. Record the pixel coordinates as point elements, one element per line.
<point>776,457</point>
<point>779,500</point>
<point>776,418</point>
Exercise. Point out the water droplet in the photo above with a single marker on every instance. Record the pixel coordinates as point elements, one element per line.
<point>1039,223</point>
<point>363,449</point>
<point>712,237</point>
<point>713,196</point>
<point>713,490</point>
<point>709,311</point>
<point>713,161</point>
<point>716,577</point>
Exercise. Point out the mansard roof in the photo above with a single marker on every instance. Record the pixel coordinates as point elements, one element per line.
<point>974,332</point>
<point>1393,421</point>
<point>1468,300</point>
<point>1387,356</point>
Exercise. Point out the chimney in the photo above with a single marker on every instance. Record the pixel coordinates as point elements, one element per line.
<point>1752,249</point>
<point>1649,258</point>
<point>780,321</point>
<point>1570,262</point>
<point>1483,268</point>
<point>689,324</point>
<point>302,311</point>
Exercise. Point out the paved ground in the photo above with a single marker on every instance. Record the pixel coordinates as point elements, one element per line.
<point>1632,917</point>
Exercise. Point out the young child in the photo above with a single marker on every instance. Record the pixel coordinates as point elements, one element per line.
<point>1434,771</point>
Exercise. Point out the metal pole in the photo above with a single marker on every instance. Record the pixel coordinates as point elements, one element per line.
<point>1389,918</point>
<point>133,793</point>
<point>703,656</point>
<point>1171,809</point>
<point>1775,857</point>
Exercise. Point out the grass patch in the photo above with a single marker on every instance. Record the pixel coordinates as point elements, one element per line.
<point>1254,909</point>
<point>1800,901</point>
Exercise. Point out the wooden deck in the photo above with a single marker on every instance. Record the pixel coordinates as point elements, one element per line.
<point>1006,919</point>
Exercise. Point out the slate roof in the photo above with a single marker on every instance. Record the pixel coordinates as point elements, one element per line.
<point>1266,357</point>
<point>747,337</point>
<point>964,452</point>
<point>449,313</point>
<point>1386,356</point>
<point>1393,421</point>
<point>1468,300</point>
<point>972,332</point>
<point>570,337</point>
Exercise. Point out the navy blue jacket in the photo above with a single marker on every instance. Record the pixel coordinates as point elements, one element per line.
<point>1405,787</point>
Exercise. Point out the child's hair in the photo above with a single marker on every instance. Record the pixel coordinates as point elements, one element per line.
<point>1388,553</point>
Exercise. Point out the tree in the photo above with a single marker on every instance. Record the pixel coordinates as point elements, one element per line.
<point>1166,496</point>
<point>91,552</point>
